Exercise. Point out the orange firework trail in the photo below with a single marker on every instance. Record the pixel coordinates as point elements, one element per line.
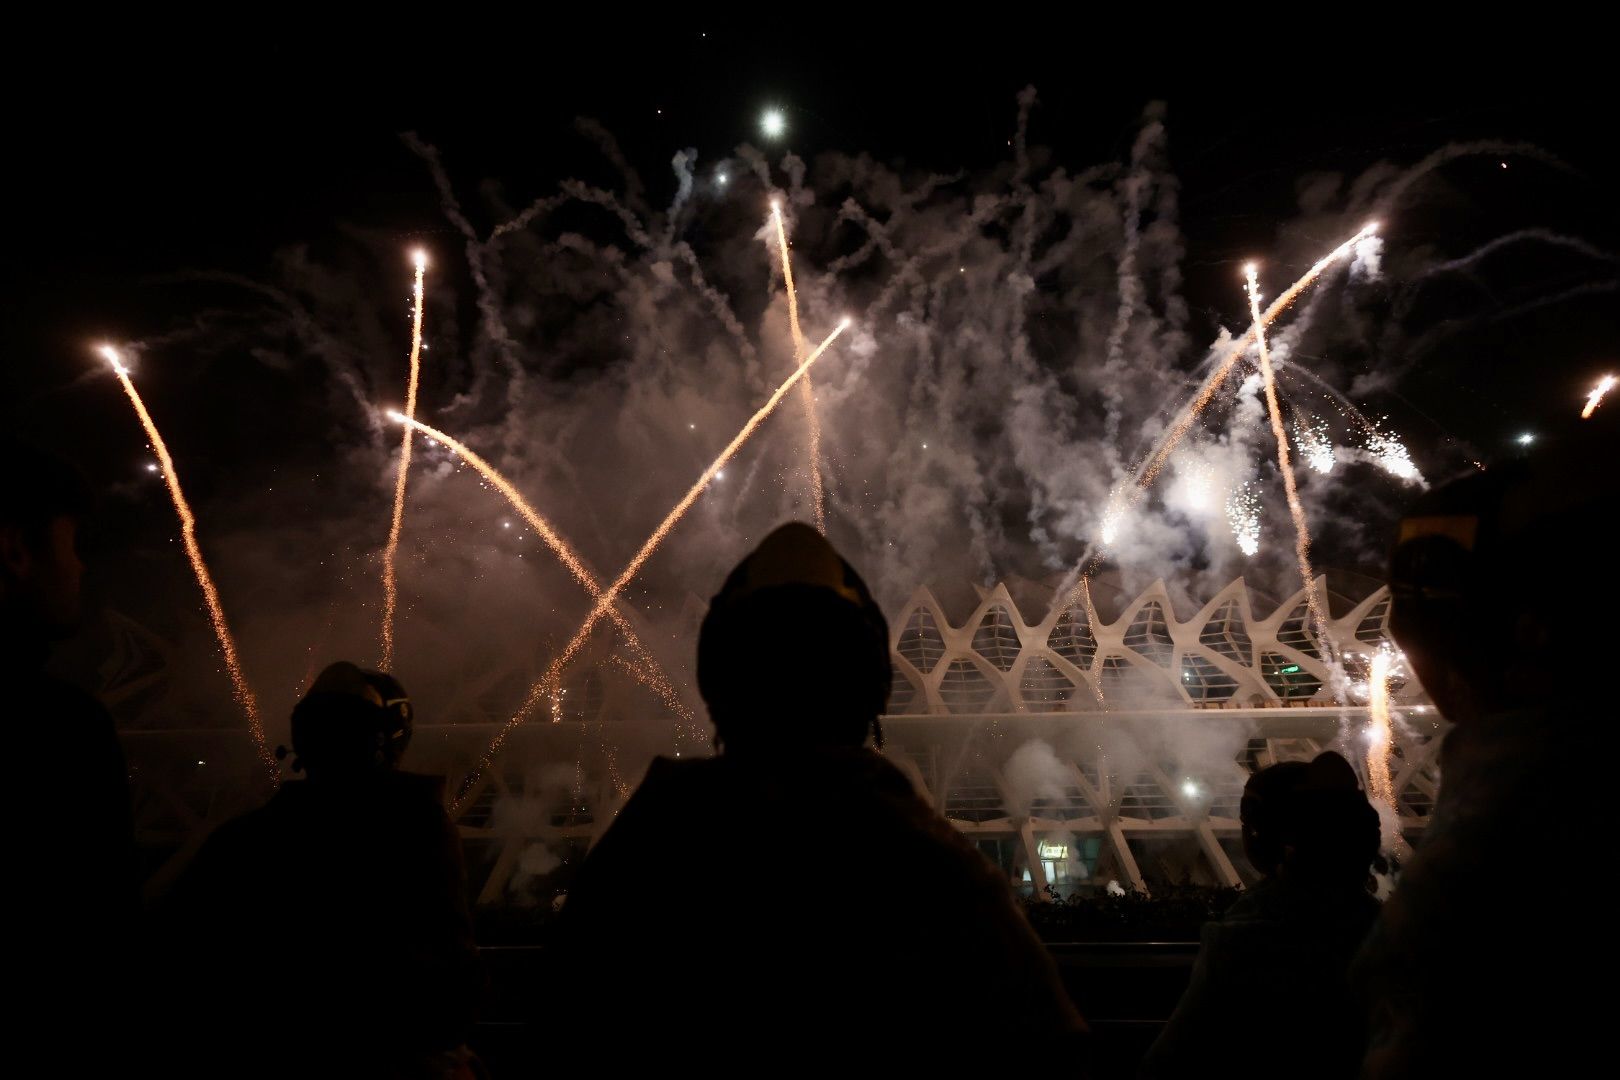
<point>646,669</point>
<point>604,602</point>
<point>1129,494</point>
<point>1285,465</point>
<point>806,392</point>
<point>1206,393</point>
<point>1379,782</point>
<point>391,552</point>
<point>1595,398</point>
<point>188,535</point>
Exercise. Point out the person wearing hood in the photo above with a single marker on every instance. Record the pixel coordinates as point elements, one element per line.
<point>793,895</point>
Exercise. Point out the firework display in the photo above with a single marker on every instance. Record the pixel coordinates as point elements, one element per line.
<point>391,552</point>
<point>188,536</point>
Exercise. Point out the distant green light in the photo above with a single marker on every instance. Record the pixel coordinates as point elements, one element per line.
<point>1291,669</point>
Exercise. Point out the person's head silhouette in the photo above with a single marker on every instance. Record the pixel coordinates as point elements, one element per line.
<point>1310,822</point>
<point>1501,580</point>
<point>351,722</point>
<point>794,652</point>
<point>42,499</point>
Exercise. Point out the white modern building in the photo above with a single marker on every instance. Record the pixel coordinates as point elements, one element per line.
<point>1076,750</point>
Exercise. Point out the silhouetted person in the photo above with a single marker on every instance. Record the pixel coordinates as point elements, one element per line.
<point>1494,953</point>
<point>793,899</point>
<point>1270,992</point>
<point>327,932</point>
<point>70,871</point>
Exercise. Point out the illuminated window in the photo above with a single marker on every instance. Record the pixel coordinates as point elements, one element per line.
<point>1225,634</point>
<point>996,639</point>
<point>920,641</point>
<point>1374,626</point>
<point>1149,634</point>
<point>1296,633</point>
<point>1203,681</point>
<point>1287,678</point>
<point>1071,638</point>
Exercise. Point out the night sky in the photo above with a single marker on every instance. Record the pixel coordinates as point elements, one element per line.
<point>136,161</point>
<point>138,157</point>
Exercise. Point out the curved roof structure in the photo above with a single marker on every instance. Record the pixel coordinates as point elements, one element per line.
<point>1225,655</point>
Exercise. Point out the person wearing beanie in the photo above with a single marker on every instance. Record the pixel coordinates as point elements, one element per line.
<point>1272,975</point>
<point>327,932</point>
<point>792,899</point>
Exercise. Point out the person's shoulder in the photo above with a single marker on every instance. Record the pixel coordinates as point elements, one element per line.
<point>239,842</point>
<point>681,780</point>
<point>421,790</point>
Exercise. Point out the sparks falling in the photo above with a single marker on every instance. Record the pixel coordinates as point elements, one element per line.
<point>1206,393</point>
<point>1243,514</point>
<point>1595,398</point>
<point>1315,446</point>
<point>1392,456</point>
<point>1111,518</point>
<point>391,552</point>
<point>806,392</point>
<point>645,668</point>
<point>1285,465</point>
<point>542,689</point>
<point>188,536</point>
<point>1380,785</point>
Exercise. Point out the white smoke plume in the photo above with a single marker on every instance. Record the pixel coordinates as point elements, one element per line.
<point>1020,335</point>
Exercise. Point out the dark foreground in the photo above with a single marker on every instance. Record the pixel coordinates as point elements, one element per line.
<point>1125,990</point>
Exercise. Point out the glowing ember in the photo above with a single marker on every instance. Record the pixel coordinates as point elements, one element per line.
<point>645,668</point>
<point>1392,456</point>
<point>188,536</point>
<point>1111,518</point>
<point>1243,512</point>
<point>391,552</point>
<point>806,392</point>
<point>1595,398</point>
<point>1302,534</point>
<point>1206,393</point>
<point>1380,784</point>
<point>1315,446</point>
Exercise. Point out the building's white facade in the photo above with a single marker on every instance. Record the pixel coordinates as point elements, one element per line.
<point>1073,751</point>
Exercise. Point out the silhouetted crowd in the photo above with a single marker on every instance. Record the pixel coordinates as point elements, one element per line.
<point>327,932</point>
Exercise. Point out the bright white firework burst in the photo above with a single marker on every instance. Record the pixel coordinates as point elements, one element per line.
<point>1243,512</point>
<point>1315,445</point>
<point>1112,516</point>
<point>1595,398</point>
<point>1392,456</point>
<point>773,123</point>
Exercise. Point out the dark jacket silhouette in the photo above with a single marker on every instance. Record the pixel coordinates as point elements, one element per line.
<point>327,931</point>
<point>1270,992</point>
<point>71,890</point>
<point>793,899</point>
<point>1269,989</point>
<point>70,884</point>
<point>1492,955</point>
